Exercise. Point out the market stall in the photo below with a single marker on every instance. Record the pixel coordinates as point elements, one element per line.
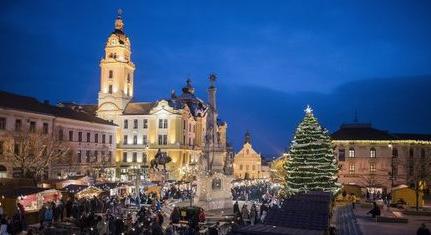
<point>32,198</point>
<point>82,191</point>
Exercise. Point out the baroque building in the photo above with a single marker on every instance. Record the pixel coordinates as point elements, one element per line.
<point>247,163</point>
<point>182,126</point>
<point>91,140</point>
<point>378,160</point>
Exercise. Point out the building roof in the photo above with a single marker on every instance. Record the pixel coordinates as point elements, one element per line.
<point>407,136</point>
<point>364,131</point>
<point>359,131</point>
<point>30,104</point>
<point>310,211</point>
<point>139,108</point>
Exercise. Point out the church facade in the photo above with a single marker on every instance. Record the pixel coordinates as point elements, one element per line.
<point>184,127</point>
<point>247,163</point>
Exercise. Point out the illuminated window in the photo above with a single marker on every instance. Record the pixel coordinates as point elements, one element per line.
<point>351,152</point>
<point>126,124</point>
<point>125,139</point>
<point>372,152</point>
<point>110,89</point>
<point>352,168</point>
<point>111,74</point>
<point>372,167</point>
<point>145,123</point>
<point>135,124</point>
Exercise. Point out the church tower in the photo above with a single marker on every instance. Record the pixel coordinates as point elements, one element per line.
<point>116,74</point>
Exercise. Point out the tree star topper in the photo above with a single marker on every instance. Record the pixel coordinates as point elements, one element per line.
<point>308,109</point>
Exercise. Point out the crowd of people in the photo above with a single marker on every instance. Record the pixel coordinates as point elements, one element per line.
<point>173,191</point>
<point>256,191</point>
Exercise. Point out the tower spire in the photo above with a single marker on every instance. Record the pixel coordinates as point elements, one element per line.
<point>119,25</point>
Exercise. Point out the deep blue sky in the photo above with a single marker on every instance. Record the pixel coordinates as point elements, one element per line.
<point>272,58</point>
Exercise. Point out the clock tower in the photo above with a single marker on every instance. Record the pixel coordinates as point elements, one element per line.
<point>116,74</point>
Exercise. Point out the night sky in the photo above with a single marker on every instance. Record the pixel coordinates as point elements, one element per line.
<point>272,58</point>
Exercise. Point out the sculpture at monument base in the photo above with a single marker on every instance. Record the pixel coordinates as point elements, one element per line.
<point>213,191</point>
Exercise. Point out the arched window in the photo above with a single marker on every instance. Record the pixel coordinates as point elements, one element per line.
<point>372,152</point>
<point>351,152</point>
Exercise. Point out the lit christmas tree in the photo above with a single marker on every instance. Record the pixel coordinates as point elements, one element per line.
<point>311,165</point>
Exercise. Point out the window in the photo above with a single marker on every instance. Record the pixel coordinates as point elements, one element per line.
<point>111,74</point>
<point>395,153</point>
<point>126,124</point>
<point>351,152</point>
<point>341,155</point>
<point>145,123</point>
<point>95,156</point>
<point>163,139</point>
<point>1,147</point>
<point>45,128</point>
<point>87,155</point>
<point>88,137</point>
<point>109,156</point>
<point>32,126</point>
<point>110,139</point>
<point>110,89</point>
<point>135,124</point>
<point>128,78</point>
<point>79,136</point>
<point>144,139</point>
<point>135,157</point>
<point>2,123</point>
<point>352,168</point>
<point>60,134</point>
<point>372,152</point>
<point>96,138</point>
<point>78,157</point>
<point>18,124</point>
<point>135,139</point>
<point>163,123</point>
<point>184,124</point>
<point>372,167</point>
<point>124,157</point>
<point>125,139</point>
<point>103,138</point>
<point>70,135</point>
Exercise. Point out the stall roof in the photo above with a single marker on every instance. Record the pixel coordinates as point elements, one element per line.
<point>22,191</point>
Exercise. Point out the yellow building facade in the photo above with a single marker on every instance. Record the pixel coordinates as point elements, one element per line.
<point>176,126</point>
<point>247,163</point>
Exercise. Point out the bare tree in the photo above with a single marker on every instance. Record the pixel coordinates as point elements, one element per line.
<point>419,173</point>
<point>33,153</point>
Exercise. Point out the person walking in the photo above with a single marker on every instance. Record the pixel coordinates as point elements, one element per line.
<point>253,214</point>
<point>245,214</point>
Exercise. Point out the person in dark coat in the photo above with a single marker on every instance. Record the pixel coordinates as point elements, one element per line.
<point>375,211</point>
<point>156,229</point>
<point>236,208</point>
<point>176,215</point>
<point>423,230</point>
